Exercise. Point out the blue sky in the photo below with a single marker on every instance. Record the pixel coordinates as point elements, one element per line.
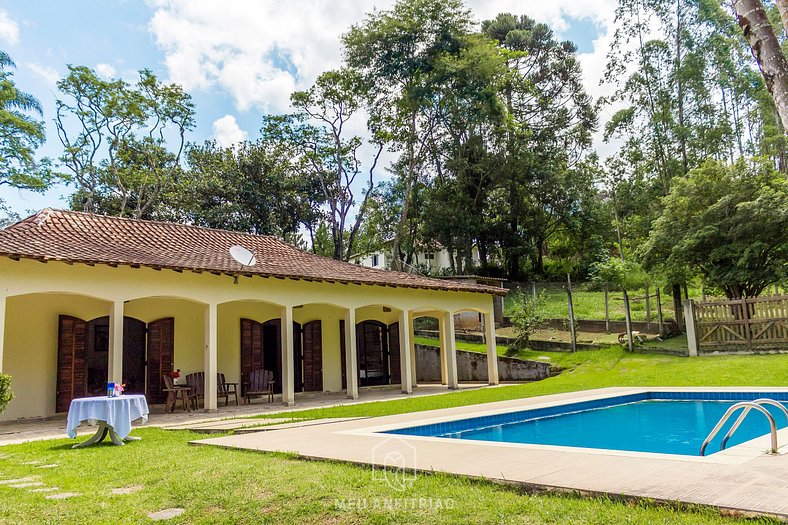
<point>238,59</point>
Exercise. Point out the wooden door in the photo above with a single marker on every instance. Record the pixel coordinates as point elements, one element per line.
<point>272,350</point>
<point>72,381</point>
<point>252,357</point>
<point>343,353</point>
<point>313,356</point>
<point>394,354</point>
<point>372,353</point>
<point>298,358</point>
<point>134,355</point>
<point>161,352</point>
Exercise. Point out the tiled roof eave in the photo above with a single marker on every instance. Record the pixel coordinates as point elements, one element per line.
<point>92,262</point>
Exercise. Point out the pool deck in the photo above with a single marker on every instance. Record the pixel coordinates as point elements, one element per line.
<point>744,479</point>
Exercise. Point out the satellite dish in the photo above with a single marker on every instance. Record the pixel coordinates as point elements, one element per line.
<point>243,256</point>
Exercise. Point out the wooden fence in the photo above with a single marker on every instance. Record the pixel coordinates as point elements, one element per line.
<point>742,325</point>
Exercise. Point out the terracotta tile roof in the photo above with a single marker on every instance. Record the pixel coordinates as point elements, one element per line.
<point>69,236</point>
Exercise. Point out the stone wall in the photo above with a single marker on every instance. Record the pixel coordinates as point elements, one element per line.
<point>472,366</point>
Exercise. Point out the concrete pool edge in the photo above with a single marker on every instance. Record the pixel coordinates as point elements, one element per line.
<point>742,479</point>
<point>740,452</point>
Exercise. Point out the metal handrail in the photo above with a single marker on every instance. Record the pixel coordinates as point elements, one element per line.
<point>729,412</point>
<point>760,401</point>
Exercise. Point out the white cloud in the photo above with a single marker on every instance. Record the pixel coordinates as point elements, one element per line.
<point>227,132</point>
<point>259,52</point>
<point>48,73</point>
<point>9,29</point>
<point>106,71</point>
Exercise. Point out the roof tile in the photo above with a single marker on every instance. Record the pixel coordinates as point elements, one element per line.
<point>99,239</point>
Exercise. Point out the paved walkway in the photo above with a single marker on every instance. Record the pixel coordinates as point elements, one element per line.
<point>742,478</point>
<point>55,428</point>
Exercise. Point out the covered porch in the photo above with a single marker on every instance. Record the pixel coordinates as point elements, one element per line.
<point>87,299</point>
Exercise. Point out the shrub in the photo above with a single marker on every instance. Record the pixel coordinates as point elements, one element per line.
<point>5,391</point>
<point>526,315</point>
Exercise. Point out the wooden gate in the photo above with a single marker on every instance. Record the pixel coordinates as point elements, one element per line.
<point>742,325</point>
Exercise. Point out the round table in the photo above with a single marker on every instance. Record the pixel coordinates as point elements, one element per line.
<point>114,415</point>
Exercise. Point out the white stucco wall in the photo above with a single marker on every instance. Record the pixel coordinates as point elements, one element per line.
<point>37,293</point>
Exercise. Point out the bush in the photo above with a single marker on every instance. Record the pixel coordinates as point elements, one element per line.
<point>5,391</point>
<point>526,315</point>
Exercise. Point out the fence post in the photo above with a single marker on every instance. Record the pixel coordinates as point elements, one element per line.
<point>746,318</point>
<point>571,313</point>
<point>648,307</point>
<point>607,309</point>
<point>627,316</point>
<point>659,313</point>
<point>689,324</point>
<point>533,290</point>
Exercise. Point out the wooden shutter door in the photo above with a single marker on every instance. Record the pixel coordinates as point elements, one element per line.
<point>298,358</point>
<point>251,349</point>
<point>72,376</point>
<point>272,350</point>
<point>394,354</point>
<point>161,353</point>
<point>343,353</point>
<point>313,356</point>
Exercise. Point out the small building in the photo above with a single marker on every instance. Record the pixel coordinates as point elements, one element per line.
<point>86,299</point>
<point>434,261</point>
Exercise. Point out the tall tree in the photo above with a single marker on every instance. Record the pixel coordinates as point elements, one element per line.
<point>122,143</point>
<point>725,223</point>
<point>758,31</point>
<point>550,118</point>
<point>396,51</point>
<point>21,134</point>
<point>254,187</point>
<point>320,132</point>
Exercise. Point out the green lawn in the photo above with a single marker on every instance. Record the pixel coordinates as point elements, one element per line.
<point>594,369</point>
<point>216,485</point>
<point>591,304</point>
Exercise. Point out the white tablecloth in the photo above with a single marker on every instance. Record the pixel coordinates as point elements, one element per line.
<point>118,412</point>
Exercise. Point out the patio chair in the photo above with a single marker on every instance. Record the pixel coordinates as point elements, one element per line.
<point>174,393</point>
<point>225,389</point>
<point>261,383</point>
<point>196,382</point>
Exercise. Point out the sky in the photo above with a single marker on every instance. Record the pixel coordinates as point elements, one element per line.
<point>239,59</point>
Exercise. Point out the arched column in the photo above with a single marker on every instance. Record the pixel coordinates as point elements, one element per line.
<point>288,362</point>
<point>115,364</point>
<point>405,335</point>
<point>449,350</point>
<point>211,350</point>
<point>492,350</point>
<point>351,357</point>
<point>2,329</point>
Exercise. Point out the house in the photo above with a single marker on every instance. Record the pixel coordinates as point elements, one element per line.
<point>86,299</point>
<point>433,261</point>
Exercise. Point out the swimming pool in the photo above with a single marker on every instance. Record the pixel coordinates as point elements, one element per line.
<point>661,422</point>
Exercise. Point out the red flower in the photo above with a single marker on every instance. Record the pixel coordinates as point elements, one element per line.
<point>176,374</point>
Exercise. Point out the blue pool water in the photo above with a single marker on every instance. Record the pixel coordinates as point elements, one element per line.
<point>662,422</point>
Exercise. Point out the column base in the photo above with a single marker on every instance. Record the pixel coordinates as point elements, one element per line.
<point>210,410</point>
<point>354,398</point>
<point>288,403</point>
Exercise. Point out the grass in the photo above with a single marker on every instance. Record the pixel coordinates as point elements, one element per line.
<point>216,485</point>
<point>591,304</point>
<point>593,369</point>
<point>228,486</point>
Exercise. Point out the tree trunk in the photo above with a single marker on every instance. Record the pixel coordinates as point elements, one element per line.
<point>755,25</point>
<point>677,306</point>
<point>782,6</point>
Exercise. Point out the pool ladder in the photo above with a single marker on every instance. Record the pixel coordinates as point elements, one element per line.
<point>747,406</point>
